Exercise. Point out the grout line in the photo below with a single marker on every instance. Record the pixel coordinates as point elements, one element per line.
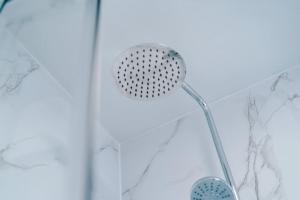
<point>109,133</point>
<point>43,67</point>
<point>257,83</point>
<point>212,103</point>
<point>149,130</point>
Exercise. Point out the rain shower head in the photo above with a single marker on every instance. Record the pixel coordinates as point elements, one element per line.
<point>149,71</point>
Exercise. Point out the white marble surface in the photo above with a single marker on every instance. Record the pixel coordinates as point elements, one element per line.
<point>43,97</point>
<point>226,45</point>
<point>35,127</point>
<point>259,127</point>
<point>106,166</point>
<point>52,30</point>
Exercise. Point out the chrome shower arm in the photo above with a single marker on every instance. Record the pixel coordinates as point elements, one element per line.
<point>215,136</point>
<point>165,68</point>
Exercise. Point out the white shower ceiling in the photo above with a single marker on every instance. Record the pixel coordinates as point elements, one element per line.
<point>227,46</point>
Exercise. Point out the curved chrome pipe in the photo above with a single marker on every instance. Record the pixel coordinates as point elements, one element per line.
<point>215,136</point>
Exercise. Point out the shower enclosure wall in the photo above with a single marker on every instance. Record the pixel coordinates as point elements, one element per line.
<point>243,57</point>
<point>258,128</point>
<point>45,58</point>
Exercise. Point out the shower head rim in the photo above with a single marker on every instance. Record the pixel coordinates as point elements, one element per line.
<point>141,45</point>
<point>210,178</point>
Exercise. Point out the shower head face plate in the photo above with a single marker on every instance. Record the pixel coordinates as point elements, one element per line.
<point>148,71</point>
<point>211,188</point>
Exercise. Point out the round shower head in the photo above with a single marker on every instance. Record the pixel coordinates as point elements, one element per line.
<point>211,188</point>
<point>148,71</point>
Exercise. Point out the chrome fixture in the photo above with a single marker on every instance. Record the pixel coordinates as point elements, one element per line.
<point>212,188</point>
<point>150,71</point>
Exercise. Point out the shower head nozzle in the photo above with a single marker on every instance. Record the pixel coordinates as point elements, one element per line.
<point>149,71</point>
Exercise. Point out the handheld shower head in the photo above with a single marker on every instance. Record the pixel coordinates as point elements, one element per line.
<point>149,71</point>
<point>211,188</point>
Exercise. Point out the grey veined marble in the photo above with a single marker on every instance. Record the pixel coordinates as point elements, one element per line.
<point>259,127</point>
<point>35,117</point>
<point>15,62</point>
